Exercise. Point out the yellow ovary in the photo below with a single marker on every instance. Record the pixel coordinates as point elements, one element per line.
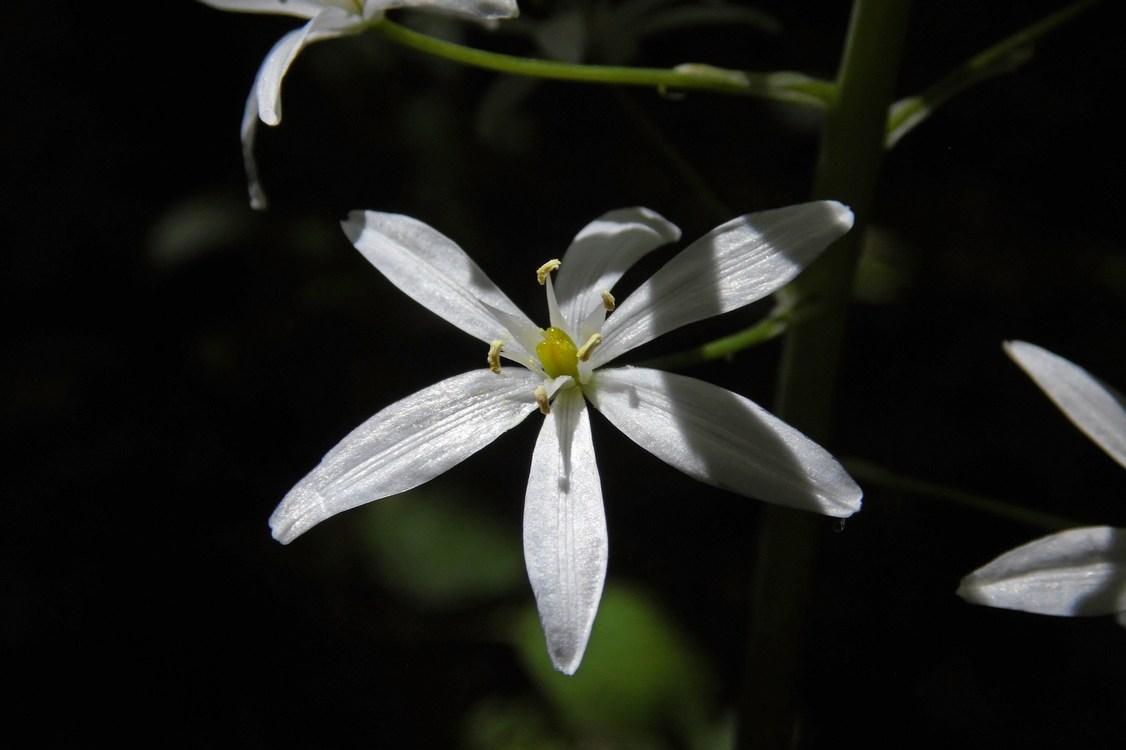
<point>558,354</point>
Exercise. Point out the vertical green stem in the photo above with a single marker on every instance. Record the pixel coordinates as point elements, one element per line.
<point>852,145</point>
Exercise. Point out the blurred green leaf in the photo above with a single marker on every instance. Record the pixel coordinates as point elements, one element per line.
<point>641,678</point>
<point>509,724</point>
<point>441,550</point>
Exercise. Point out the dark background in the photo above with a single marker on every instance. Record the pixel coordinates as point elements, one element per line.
<point>174,362</point>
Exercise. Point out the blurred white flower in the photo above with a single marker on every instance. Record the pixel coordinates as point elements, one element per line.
<point>327,19</point>
<point>1078,572</point>
<point>707,432</point>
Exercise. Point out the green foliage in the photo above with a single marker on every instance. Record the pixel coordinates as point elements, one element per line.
<point>641,679</point>
<point>442,551</point>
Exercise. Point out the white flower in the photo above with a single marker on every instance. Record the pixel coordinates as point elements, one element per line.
<point>707,432</point>
<point>1077,572</point>
<point>327,19</point>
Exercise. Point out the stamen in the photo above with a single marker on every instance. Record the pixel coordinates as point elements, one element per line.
<point>608,301</point>
<point>586,349</point>
<point>541,400</point>
<point>494,355</point>
<point>545,269</point>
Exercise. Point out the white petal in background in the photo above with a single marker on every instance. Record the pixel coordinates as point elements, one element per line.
<point>328,24</point>
<point>1092,406</point>
<point>733,265</point>
<point>264,101</point>
<point>433,270</point>
<point>249,132</point>
<point>484,9</point>
<point>299,8</point>
<point>565,543</point>
<point>723,439</point>
<point>408,443</point>
<point>1078,572</point>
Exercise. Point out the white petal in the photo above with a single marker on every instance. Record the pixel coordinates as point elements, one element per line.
<point>565,544</point>
<point>599,255</point>
<point>299,8</point>
<point>733,265</point>
<point>407,444</point>
<point>721,438</point>
<point>434,271</point>
<point>250,162</point>
<point>486,9</point>
<point>1092,406</point>
<point>328,24</point>
<point>1078,572</point>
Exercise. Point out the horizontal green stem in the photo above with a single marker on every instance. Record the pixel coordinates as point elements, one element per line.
<point>759,333</point>
<point>780,86</point>
<point>870,472</point>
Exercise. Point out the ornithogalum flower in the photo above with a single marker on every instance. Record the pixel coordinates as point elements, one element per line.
<point>707,432</point>
<point>326,19</point>
<point>1080,571</point>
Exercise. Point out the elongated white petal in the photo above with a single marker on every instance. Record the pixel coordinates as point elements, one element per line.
<point>407,444</point>
<point>1091,405</point>
<point>249,132</point>
<point>1077,572</point>
<point>433,270</point>
<point>485,9</point>
<point>299,8</point>
<point>723,439</point>
<point>328,24</point>
<point>599,255</point>
<point>565,544</point>
<point>733,265</point>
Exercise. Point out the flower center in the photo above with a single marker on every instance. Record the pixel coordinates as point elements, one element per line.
<point>558,354</point>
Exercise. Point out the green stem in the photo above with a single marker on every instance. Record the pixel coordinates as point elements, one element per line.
<point>1000,58</point>
<point>761,332</point>
<point>780,86</point>
<point>866,471</point>
<point>852,145</point>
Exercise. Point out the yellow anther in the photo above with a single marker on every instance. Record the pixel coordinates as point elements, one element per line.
<point>494,355</point>
<point>541,399</point>
<point>608,301</point>
<point>585,350</point>
<point>545,269</point>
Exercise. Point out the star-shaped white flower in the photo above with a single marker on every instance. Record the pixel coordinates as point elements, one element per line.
<point>707,432</point>
<point>327,19</point>
<point>1078,572</point>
